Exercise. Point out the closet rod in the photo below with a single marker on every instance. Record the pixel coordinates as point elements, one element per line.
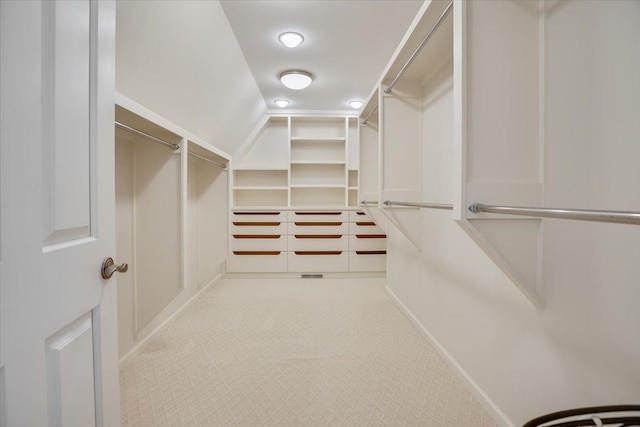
<point>368,203</point>
<point>366,120</point>
<point>420,205</point>
<point>197,156</point>
<point>174,147</point>
<point>419,48</point>
<point>619,217</point>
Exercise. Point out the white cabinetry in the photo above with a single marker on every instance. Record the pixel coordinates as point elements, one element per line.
<point>295,191</point>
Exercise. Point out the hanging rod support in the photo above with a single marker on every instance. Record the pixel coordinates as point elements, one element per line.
<point>366,120</point>
<point>197,156</point>
<point>420,205</point>
<point>618,217</point>
<point>174,147</point>
<point>368,203</point>
<point>419,48</point>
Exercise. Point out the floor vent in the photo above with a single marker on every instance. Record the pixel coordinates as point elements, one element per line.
<point>312,276</point>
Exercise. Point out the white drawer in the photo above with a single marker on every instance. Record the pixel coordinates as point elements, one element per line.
<point>302,263</point>
<point>366,243</point>
<point>257,228</point>
<point>364,227</point>
<point>266,216</point>
<point>308,242</point>
<point>358,216</point>
<point>367,262</point>
<point>246,263</point>
<point>310,228</point>
<point>318,216</point>
<point>252,242</point>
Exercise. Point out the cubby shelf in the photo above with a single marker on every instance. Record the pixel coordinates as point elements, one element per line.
<point>257,187</point>
<point>316,186</point>
<point>318,139</point>
<point>318,162</point>
<point>320,154</point>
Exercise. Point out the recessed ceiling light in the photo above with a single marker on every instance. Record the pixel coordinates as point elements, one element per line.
<point>356,104</point>
<point>281,103</point>
<point>296,79</point>
<point>290,39</point>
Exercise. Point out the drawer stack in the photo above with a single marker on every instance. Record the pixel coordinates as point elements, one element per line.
<point>305,242</point>
<point>318,241</point>
<point>367,244</point>
<point>258,242</point>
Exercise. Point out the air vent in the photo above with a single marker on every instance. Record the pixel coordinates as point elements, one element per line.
<point>312,276</point>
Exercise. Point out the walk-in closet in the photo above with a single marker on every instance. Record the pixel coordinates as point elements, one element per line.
<point>314,213</point>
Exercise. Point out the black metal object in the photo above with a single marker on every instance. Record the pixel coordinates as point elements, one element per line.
<point>615,415</point>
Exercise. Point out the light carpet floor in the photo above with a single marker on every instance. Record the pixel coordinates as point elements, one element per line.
<point>310,352</point>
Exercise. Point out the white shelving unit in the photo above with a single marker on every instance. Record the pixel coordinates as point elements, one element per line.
<point>295,194</point>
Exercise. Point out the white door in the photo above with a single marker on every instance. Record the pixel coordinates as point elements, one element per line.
<point>58,352</point>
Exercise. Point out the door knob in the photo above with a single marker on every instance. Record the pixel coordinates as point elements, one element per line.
<point>109,267</point>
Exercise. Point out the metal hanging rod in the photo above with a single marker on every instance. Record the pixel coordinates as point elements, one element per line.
<point>368,203</point>
<point>420,205</point>
<point>366,120</point>
<point>419,48</point>
<point>197,156</point>
<point>174,147</point>
<point>619,217</point>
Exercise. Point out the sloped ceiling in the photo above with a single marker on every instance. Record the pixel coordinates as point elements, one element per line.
<point>347,45</point>
<point>181,60</point>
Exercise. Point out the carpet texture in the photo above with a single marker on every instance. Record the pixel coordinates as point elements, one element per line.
<point>314,352</point>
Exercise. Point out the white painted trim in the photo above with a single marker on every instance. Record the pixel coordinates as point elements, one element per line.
<point>342,275</point>
<point>140,346</point>
<point>484,399</point>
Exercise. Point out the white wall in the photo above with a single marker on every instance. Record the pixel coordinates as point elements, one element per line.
<point>584,348</point>
<point>208,209</point>
<point>148,233</point>
<point>181,60</point>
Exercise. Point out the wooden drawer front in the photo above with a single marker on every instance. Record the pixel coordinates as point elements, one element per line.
<point>302,263</point>
<point>318,216</point>
<point>361,262</point>
<point>364,227</point>
<point>253,228</point>
<point>328,228</point>
<point>257,263</point>
<point>308,242</point>
<point>358,216</point>
<point>367,244</point>
<point>252,243</point>
<point>259,217</point>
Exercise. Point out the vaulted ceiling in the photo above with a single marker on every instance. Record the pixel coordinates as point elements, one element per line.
<point>347,45</point>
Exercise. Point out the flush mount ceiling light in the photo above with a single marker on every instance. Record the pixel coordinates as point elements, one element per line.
<point>356,104</point>
<point>296,79</point>
<point>290,39</point>
<point>281,102</point>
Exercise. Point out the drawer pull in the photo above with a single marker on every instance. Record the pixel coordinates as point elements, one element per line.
<point>365,223</point>
<point>371,252</point>
<point>256,252</point>
<point>371,236</point>
<point>318,236</point>
<point>257,213</point>
<point>256,224</point>
<point>256,236</point>
<point>318,213</point>
<point>318,252</point>
<point>315,224</point>
<point>360,213</point>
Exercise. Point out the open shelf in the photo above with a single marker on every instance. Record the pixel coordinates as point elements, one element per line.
<point>317,128</point>
<point>303,140</point>
<point>316,186</point>
<point>318,151</point>
<point>260,178</point>
<point>317,162</point>
<point>259,188</point>
<point>317,196</point>
<point>261,197</point>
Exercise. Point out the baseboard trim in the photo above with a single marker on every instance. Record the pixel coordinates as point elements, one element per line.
<point>486,402</point>
<point>139,347</point>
